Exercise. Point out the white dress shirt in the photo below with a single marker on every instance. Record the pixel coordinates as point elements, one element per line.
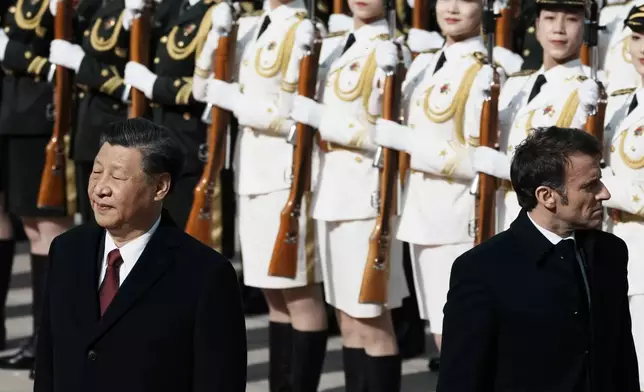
<point>552,237</point>
<point>130,252</point>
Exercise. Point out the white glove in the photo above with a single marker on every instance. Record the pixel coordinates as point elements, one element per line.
<point>410,3</point>
<point>304,35</point>
<point>393,135</point>
<point>222,18</point>
<point>490,161</point>
<point>4,41</point>
<point>135,5</point>
<point>204,61</point>
<point>199,86</point>
<point>510,61</point>
<point>419,40</point>
<point>588,95</point>
<point>53,6</point>
<point>484,79</point>
<point>66,54</point>
<point>140,77</point>
<point>386,55</point>
<point>224,95</point>
<point>307,111</point>
<point>340,22</point>
<point>132,11</point>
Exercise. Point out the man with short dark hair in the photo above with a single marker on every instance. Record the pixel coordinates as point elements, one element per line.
<point>543,305</point>
<point>135,304</point>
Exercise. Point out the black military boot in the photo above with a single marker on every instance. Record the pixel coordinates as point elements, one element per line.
<point>25,358</point>
<point>384,373</point>
<point>354,361</point>
<point>280,347</point>
<point>309,349</point>
<point>7,251</point>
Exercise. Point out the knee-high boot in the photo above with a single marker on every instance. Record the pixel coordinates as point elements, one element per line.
<point>280,342</point>
<point>384,373</point>
<point>7,251</point>
<point>309,349</point>
<point>354,361</point>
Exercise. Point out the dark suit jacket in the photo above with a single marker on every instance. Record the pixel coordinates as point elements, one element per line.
<point>176,323</point>
<point>517,317</point>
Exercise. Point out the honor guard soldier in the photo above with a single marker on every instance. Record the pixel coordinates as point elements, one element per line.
<point>268,48</point>
<point>624,178</point>
<point>559,93</point>
<point>168,85</point>
<point>611,19</point>
<point>350,81</point>
<point>98,60</point>
<point>26,123</point>
<point>443,92</point>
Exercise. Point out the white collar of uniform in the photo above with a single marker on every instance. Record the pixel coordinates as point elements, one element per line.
<point>371,30</point>
<point>458,50</point>
<point>285,11</point>
<point>562,71</point>
<point>552,237</point>
<point>131,251</point>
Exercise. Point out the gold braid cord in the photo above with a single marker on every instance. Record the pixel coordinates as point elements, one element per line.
<point>104,44</point>
<point>70,179</point>
<point>363,88</point>
<point>30,23</point>
<point>635,164</point>
<point>283,56</point>
<point>566,117</point>
<point>176,53</point>
<point>217,223</point>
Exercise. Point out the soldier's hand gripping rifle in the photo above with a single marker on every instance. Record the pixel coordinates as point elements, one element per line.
<point>375,279</point>
<point>484,184</point>
<point>140,53</point>
<point>52,192</point>
<point>595,121</point>
<point>199,223</point>
<point>285,251</point>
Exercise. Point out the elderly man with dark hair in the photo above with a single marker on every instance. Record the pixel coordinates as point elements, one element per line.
<point>543,305</point>
<point>135,304</point>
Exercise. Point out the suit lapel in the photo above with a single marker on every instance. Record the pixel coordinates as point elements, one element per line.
<point>86,264</point>
<point>149,268</point>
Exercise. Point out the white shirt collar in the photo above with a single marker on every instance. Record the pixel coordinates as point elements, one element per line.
<point>285,11</point>
<point>552,237</point>
<point>458,50</point>
<point>562,71</point>
<point>130,252</point>
<point>371,30</point>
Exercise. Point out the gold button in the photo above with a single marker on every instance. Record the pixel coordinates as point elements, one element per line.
<point>12,9</point>
<point>115,107</point>
<point>180,44</point>
<point>177,83</point>
<point>157,60</point>
<point>270,110</point>
<point>81,95</point>
<point>531,30</point>
<point>29,14</point>
<point>412,126</point>
<point>351,126</point>
<point>28,55</point>
<point>245,62</point>
<point>105,73</point>
<point>241,88</point>
<point>186,116</point>
<point>37,79</point>
<point>6,29</point>
<point>612,148</point>
<point>86,33</point>
<point>526,53</point>
<point>164,39</point>
<point>358,159</point>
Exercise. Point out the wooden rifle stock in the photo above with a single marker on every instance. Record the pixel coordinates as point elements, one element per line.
<point>375,280</point>
<point>340,6</point>
<point>140,53</point>
<point>584,54</point>
<point>485,214</point>
<point>284,258</point>
<point>52,192</point>
<point>199,223</point>
<point>504,25</point>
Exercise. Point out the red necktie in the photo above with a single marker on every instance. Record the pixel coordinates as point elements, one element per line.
<point>111,281</point>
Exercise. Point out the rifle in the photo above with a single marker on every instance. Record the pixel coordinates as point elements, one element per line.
<point>595,122</point>
<point>140,53</point>
<point>340,7</point>
<point>374,288</point>
<point>486,192</point>
<point>284,258</point>
<point>504,25</point>
<point>199,223</point>
<point>52,192</point>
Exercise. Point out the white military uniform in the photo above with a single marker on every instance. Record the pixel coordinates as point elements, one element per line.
<point>444,110</point>
<point>611,19</point>
<point>348,180</point>
<point>556,104</point>
<point>263,158</point>
<point>624,140</point>
<point>618,69</point>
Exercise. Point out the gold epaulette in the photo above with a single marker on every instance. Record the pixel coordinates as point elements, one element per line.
<point>254,13</point>
<point>623,91</point>
<point>337,34</point>
<point>301,15</point>
<point>525,72</point>
<point>480,57</point>
<point>382,37</point>
<point>208,2</point>
<point>430,51</point>
<point>581,78</point>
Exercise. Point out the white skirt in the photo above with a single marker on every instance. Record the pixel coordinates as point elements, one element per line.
<point>636,303</point>
<point>259,220</point>
<point>432,267</point>
<point>344,258</point>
